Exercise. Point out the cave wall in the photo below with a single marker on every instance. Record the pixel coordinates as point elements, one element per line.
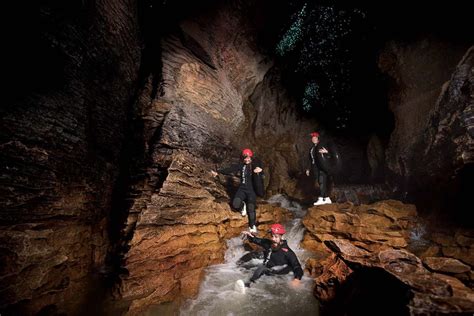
<point>431,100</point>
<point>180,217</point>
<point>61,137</point>
<point>219,93</point>
<point>92,152</point>
<point>61,147</point>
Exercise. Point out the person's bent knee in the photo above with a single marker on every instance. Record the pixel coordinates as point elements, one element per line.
<point>237,203</point>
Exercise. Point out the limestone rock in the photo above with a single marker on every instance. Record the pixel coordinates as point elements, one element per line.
<point>61,138</point>
<point>180,230</point>
<point>446,265</point>
<point>459,245</point>
<point>432,102</point>
<point>375,226</point>
<point>360,194</point>
<point>353,275</point>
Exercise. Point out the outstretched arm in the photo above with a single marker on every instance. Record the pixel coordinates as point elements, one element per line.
<point>295,264</point>
<point>262,242</point>
<point>230,170</point>
<point>227,171</point>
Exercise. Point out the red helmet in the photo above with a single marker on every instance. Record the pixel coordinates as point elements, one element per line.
<point>314,134</point>
<point>277,229</point>
<point>247,152</point>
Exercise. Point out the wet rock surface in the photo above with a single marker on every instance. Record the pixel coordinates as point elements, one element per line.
<point>360,194</point>
<point>182,230</point>
<point>369,267</point>
<point>105,167</point>
<point>217,97</point>
<point>446,265</point>
<point>421,291</point>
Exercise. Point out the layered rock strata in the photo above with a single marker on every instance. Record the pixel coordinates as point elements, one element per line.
<point>179,216</point>
<point>391,279</point>
<point>363,264</point>
<point>182,229</point>
<point>60,142</point>
<point>375,226</point>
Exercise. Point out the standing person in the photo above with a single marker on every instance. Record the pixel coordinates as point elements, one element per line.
<point>245,199</point>
<point>278,258</point>
<point>318,154</point>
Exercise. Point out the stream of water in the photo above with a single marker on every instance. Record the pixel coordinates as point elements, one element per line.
<point>270,295</point>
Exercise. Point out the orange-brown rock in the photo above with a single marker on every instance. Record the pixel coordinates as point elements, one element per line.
<point>181,230</point>
<point>459,245</point>
<point>213,100</point>
<point>374,226</point>
<point>446,265</point>
<point>51,264</point>
<point>332,273</point>
<point>390,279</point>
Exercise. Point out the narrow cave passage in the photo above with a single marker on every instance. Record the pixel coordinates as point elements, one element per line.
<point>115,113</point>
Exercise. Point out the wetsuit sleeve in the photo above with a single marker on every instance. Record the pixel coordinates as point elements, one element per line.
<point>295,264</point>
<point>257,163</point>
<point>262,242</point>
<point>323,161</point>
<point>230,170</point>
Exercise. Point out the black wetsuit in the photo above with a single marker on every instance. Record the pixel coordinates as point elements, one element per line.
<point>245,192</point>
<point>279,260</point>
<point>319,170</point>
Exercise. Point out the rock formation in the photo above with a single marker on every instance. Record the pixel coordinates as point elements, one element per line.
<point>431,98</point>
<point>375,226</point>
<point>364,265</point>
<point>105,162</point>
<point>394,281</point>
<point>179,217</point>
<point>61,137</point>
<point>181,229</point>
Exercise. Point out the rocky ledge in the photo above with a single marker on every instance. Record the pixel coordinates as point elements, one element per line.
<point>368,269</point>
<point>182,230</point>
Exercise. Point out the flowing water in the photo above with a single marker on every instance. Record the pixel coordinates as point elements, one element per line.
<point>270,295</point>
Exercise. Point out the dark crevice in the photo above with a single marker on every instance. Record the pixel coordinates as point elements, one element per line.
<point>196,49</point>
<point>133,158</point>
<point>369,291</point>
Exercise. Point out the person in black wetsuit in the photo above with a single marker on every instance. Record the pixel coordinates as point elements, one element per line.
<point>278,257</point>
<point>316,155</point>
<point>245,199</point>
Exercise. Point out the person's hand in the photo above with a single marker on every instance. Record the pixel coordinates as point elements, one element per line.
<point>213,173</point>
<point>307,172</point>
<point>323,150</point>
<point>246,233</point>
<point>257,170</point>
<point>295,283</point>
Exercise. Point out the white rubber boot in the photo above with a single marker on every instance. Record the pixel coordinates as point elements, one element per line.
<point>240,286</point>
<point>320,201</point>
<point>327,200</point>
<point>243,212</point>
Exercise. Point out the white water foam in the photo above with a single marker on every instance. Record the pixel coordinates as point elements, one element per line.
<point>270,295</point>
